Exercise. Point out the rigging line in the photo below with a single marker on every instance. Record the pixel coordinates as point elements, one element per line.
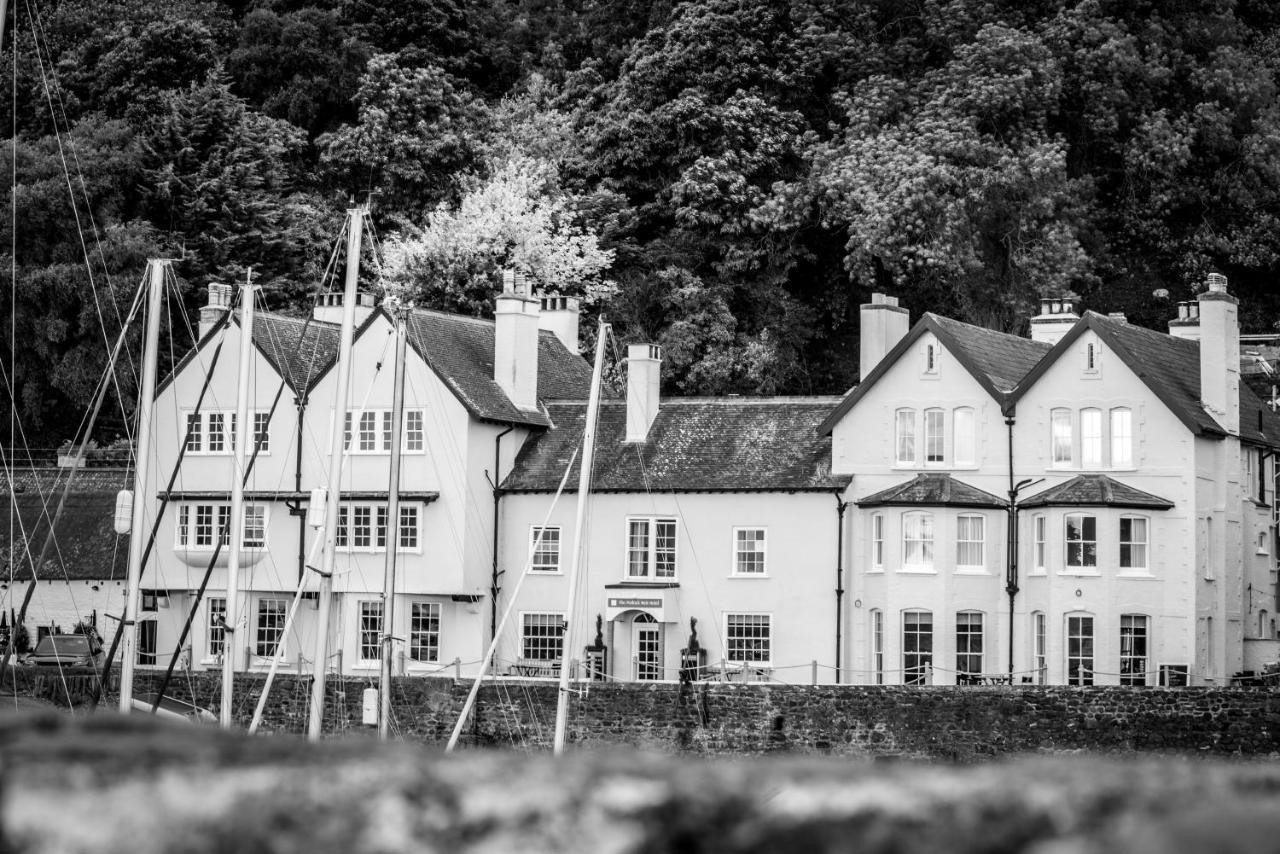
<point>13,272</point>
<point>66,172</point>
<point>62,503</point>
<point>93,225</point>
<point>506,614</point>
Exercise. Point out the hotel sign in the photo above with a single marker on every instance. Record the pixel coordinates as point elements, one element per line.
<point>634,603</point>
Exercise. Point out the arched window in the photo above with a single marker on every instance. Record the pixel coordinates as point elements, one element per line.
<point>1039,553</point>
<point>917,541</point>
<point>1091,438</point>
<point>964,436</point>
<point>917,647</point>
<point>1079,649</point>
<point>1081,540</point>
<point>877,541</point>
<point>1060,436</point>
<point>935,439</point>
<point>1264,624</point>
<point>877,645</point>
<point>1135,646</point>
<point>905,436</point>
<point>969,646</point>
<point>1039,648</point>
<point>1122,438</point>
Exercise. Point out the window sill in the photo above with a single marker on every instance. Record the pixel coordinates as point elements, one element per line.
<point>1136,574</point>
<point>1037,573</point>
<point>546,571</point>
<point>972,570</point>
<point>641,582</point>
<point>875,570</point>
<point>748,575</point>
<point>1081,573</point>
<point>917,570</point>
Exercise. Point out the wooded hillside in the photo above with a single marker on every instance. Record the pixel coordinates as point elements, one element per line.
<point>729,178</point>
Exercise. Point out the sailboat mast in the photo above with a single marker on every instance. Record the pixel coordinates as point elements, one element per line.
<point>393,520</point>
<point>346,333</point>
<point>146,399</point>
<point>243,432</point>
<point>575,559</point>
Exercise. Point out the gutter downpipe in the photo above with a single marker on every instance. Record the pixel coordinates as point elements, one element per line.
<point>841,506</point>
<point>301,403</point>
<point>1011,559</point>
<point>494,587</point>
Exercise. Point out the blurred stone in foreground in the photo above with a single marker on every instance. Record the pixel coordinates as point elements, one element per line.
<point>109,784</point>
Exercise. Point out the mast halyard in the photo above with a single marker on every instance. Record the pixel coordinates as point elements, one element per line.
<point>243,432</point>
<point>401,317</point>
<point>575,559</point>
<point>145,431</point>
<point>345,335</point>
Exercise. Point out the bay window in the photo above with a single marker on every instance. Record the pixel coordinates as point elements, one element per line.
<point>1081,540</point>
<point>917,541</point>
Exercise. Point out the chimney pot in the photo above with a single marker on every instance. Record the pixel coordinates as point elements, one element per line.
<point>1217,283</point>
<point>219,304</point>
<point>1057,316</point>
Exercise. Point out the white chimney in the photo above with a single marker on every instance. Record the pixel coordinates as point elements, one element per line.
<point>883,323</point>
<point>644,369</point>
<point>329,307</point>
<point>1187,323</point>
<point>219,304</point>
<point>515,341</point>
<point>1057,316</point>
<point>560,315</point>
<point>1220,354</point>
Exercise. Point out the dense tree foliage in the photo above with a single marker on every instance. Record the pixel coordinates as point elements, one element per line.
<point>729,178</point>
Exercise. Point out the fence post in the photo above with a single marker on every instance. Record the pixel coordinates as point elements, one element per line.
<point>457,668</point>
<point>814,666</point>
<point>722,673</point>
<point>928,673</point>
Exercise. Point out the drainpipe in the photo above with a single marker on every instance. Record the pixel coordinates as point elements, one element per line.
<point>1011,544</point>
<point>301,403</point>
<point>496,579</point>
<point>841,506</point>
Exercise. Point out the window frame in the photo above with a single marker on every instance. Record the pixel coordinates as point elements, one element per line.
<point>981,542</point>
<point>1144,544</point>
<point>367,432</point>
<point>420,636</point>
<point>877,542</point>
<point>215,637</point>
<point>965,640</point>
<point>761,548</point>
<point>192,515</point>
<point>369,623</point>
<point>877,645</point>
<point>1039,544</point>
<point>737,649</point>
<point>266,611</point>
<point>904,440</point>
<point>964,443</point>
<point>1120,439</point>
<point>541,546</point>
<point>1061,440</point>
<point>927,543</point>
<point>1091,443</point>
<point>651,550</point>
<point>1129,658</point>
<point>1082,542</point>
<point>1039,647</point>
<point>916,662</point>
<point>376,515</point>
<point>935,436</point>
<point>534,642</point>
<point>1076,674</point>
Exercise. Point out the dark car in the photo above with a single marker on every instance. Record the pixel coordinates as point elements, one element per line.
<point>66,651</point>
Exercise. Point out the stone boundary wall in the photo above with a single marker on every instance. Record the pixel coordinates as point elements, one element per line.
<point>950,723</point>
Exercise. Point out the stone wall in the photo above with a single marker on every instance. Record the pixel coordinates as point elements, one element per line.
<point>713,719</point>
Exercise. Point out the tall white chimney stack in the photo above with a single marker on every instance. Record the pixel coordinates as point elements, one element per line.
<point>883,323</point>
<point>1057,316</point>
<point>560,315</point>
<point>1220,353</point>
<point>515,341</point>
<point>219,304</point>
<point>644,370</point>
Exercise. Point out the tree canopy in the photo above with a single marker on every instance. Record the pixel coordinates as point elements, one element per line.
<point>728,178</point>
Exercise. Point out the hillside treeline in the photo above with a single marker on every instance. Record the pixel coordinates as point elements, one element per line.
<point>729,178</point>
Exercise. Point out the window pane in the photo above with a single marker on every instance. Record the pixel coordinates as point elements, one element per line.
<point>917,646</point>
<point>368,431</point>
<point>262,431</point>
<point>542,637</point>
<point>271,614</point>
<point>933,436</point>
<point>1060,432</point>
<point>217,434</point>
<point>877,540</point>
<point>749,551</point>
<point>664,548</point>
<point>1133,650</point>
<point>1133,542</point>
<point>1080,650</point>
<point>370,631</point>
<point>638,548</point>
<point>969,643</point>
<point>917,540</point>
<point>965,437</point>
<point>413,438</point>
<point>970,540</point>
<point>424,631</point>
<point>408,526</point>
<point>386,430</point>
<point>877,645</point>
<point>255,526</point>
<point>1081,537</point>
<point>380,527</point>
<point>361,526</point>
<point>906,436</point>
<point>217,634</point>
<point>546,549</point>
<point>1091,438</point>
<point>1121,438</point>
<point>747,638</point>
<point>193,432</point>
<point>1040,550</point>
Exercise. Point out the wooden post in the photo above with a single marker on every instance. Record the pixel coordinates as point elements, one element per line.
<point>814,667</point>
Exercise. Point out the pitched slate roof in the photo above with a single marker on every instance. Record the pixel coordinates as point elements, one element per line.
<point>87,546</point>
<point>741,444</point>
<point>1096,490</point>
<point>299,350</point>
<point>933,490</point>
<point>997,360</point>
<point>460,350</point>
<point>1170,367</point>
